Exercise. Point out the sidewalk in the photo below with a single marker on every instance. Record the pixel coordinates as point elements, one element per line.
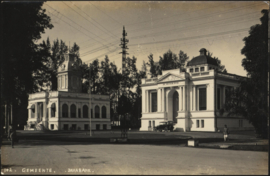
<point>238,140</point>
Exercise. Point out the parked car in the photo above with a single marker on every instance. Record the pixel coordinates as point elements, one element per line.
<point>166,126</point>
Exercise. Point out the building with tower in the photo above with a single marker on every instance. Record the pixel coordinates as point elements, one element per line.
<point>68,108</point>
<point>193,100</point>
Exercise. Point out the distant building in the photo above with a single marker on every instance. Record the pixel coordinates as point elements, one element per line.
<point>68,108</point>
<point>194,100</point>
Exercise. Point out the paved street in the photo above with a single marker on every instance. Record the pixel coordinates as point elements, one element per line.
<point>55,157</point>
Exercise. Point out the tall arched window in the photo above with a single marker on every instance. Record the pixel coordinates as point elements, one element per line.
<point>73,111</point>
<point>85,111</point>
<point>53,110</point>
<point>64,110</point>
<point>41,110</point>
<point>33,111</point>
<point>97,111</point>
<point>103,112</point>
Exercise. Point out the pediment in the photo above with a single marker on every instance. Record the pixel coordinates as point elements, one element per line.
<point>170,77</point>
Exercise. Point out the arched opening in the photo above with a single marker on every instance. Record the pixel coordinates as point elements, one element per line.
<point>85,111</point>
<point>172,105</point>
<point>65,110</point>
<point>97,111</point>
<point>73,111</point>
<point>103,112</point>
<point>175,105</point>
<point>33,111</point>
<point>53,110</point>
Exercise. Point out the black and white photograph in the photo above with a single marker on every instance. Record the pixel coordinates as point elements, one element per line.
<point>135,87</point>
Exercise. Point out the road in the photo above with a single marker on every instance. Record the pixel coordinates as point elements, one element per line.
<point>56,157</point>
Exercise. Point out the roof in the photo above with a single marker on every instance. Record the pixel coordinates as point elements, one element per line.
<point>202,59</point>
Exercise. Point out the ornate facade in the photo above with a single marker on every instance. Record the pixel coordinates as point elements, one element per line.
<point>68,108</point>
<point>194,100</point>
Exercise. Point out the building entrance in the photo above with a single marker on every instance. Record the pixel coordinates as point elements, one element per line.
<point>175,105</point>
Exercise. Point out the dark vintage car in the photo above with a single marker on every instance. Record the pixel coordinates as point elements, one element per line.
<point>166,126</point>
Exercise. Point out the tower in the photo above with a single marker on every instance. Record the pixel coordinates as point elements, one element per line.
<point>69,75</point>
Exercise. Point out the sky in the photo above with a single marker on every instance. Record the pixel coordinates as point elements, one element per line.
<point>155,27</point>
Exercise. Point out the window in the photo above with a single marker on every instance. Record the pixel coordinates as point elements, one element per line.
<point>149,123</point>
<point>103,112</point>
<point>65,126</point>
<point>53,110</point>
<point>97,111</point>
<point>86,127</point>
<point>202,98</point>
<point>91,113</point>
<point>198,123</point>
<point>73,111</point>
<point>202,122</point>
<point>79,112</point>
<point>63,81</point>
<point>97,127</point>
<point>218,98</point>
<point>104,127</point>
<point>196,69</point>
<point>153,123</point>
<point>191,70</point>
<point>73,127</point>
<point>32,126</point>
<point>202,69</point>
<point>52,126</point>
<point>241,123</point>
<point>65,110</point>
<point>154,102</point>
<point>85,111</point>
<point>33,111</point>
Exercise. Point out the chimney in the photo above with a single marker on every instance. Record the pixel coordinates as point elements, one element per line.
<point>203,51</point>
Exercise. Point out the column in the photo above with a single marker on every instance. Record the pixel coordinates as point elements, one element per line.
<point>68,109</point>
<point>100,111</point>
<point>163,99</point>
<point>143,102</point>
<point>184,98</point>
<point>108,112</point>
<point>194,98</point>
<point>159,99</point>
<point>190,95</point>
<point>36,110</point>
<point>147,101</point>
<point>180,98</point>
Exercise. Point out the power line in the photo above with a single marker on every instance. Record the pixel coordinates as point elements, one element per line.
<point>80,26</point>
<point>196,18</point>
<point>188,27</point>
<point>106,31</point>
<point>105,13</point>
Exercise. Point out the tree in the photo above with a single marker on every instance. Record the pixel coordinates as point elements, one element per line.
<point>250,100</point>
<point>23,61</point>
<point>169,61</point>
<point>54,54</point>
<point>221,68</point>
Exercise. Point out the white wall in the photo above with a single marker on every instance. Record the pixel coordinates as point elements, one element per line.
<point>208,124</point>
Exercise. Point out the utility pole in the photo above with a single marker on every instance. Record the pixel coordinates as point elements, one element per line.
<point>124,53</point>
<point>124,47</point>
<point>90,103</point>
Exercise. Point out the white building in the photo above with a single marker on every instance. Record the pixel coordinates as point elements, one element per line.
<point>194,100</point>
<point>68,108</point>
